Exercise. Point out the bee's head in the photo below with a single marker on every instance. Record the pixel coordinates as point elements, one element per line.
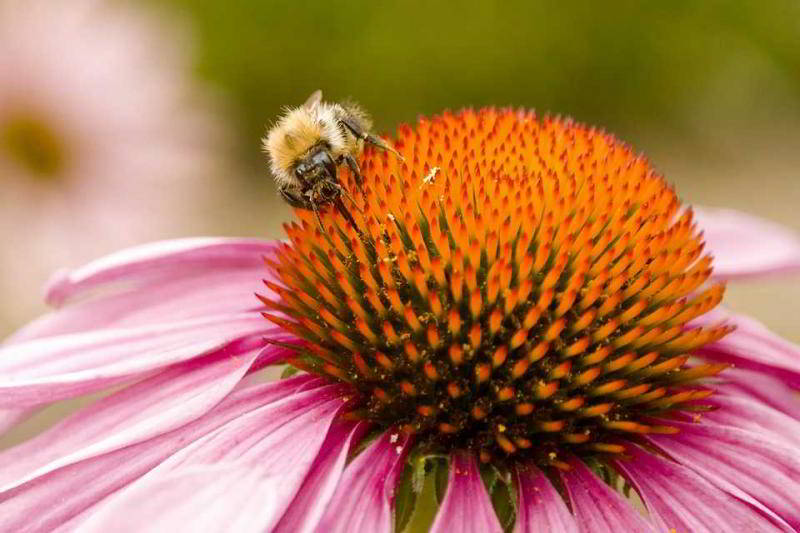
<point>316,165</point>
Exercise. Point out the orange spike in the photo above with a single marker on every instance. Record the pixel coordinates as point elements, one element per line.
<point>609,387</point>
<point>395,301</point>
<point>384,361</point>
<point>499,356</point>
<point>475,336</point>
<point>495,321</point>
<point>572,404</point>
<point>538,351</point>
<point>577,347</point>
<point>606,330</point>
<point>576,438</point>
<point>364,329</point>
<point>411,319</point>
<point>456,285</point>
<point>435,304</point>
<point>456,354</point>
<point>544,390</point>
<point>555,329</point>
<point>597,410</point>
<point>482,373</point>
<point>388,331</point>
<point>342,340</point>
<point>475,304</point>
<point>505,393</point>
<point>607,448</point>
<point>361,366</point>
<point>375,302</point>
<point>430,371</point>
<point>524,409</point>
<point>551,426</point>
<point>411,352</point>
<point>433,335</point>
<point>561,370</point>
<point>531,317</point>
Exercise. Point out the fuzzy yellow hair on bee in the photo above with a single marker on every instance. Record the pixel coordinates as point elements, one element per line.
<point>308,144</point>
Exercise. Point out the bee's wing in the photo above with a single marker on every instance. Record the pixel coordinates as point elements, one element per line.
<point>314,99</point>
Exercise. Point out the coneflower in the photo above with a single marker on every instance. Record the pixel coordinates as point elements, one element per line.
<point>104,136</point>
<point>525,315</point>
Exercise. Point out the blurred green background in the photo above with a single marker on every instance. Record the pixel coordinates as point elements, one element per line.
<point>709,90</point>
<point>646,70</point>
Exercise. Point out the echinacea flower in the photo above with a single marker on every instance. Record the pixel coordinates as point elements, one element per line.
<point>105,138</point>
<point>525,318</point>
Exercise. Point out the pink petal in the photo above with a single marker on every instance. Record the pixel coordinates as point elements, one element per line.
<point>754,467</point>
<point>227,291</point>
<point>220,497</point>
<point>10,417</point>
<point>308,507</point>
<point>151,407</point>
<point>58,496</point>
<point>53,368</point>
<point>466,506</point>
<point>158,263</point>
<point>744,413</point>
<point>762,388</point>
<point>365,495</point>
<point>751,346</point>
<point>680,500</point>
<point>272,449</point>
<point>744,245</point>
<point>540,507</point>
<point>598,508</point>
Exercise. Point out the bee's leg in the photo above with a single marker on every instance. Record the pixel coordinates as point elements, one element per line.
<point>368,137</point>
<point>346,214</point>
<point>352,164</point>
<point>292,199</point>
<point>319,218</point>
<point>352,200</point>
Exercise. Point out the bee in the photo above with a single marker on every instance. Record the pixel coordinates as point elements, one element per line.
<point>307,146</point>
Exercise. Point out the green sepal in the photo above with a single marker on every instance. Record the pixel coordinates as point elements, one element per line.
<point>499,486</point>
<point>504,504</point>
<point>441,470</point>
<point>405,501</point>
<point>289,371</point>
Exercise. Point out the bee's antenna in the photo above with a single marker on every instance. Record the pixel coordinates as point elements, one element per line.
<point>377,141</point>
<point>372,139</point>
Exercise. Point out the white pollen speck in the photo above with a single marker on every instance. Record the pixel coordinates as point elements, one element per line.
<point>399,450</point>
<point>391,217</point>
<point>394,438</point>
<point>431,177</point>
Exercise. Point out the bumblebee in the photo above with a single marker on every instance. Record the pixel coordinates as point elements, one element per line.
<point>307,146</point>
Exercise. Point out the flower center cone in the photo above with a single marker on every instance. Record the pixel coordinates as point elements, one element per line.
<point>518,286</point>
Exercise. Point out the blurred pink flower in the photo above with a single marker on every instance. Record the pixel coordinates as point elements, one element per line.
<point>189,440</point>
<point>104,136</point>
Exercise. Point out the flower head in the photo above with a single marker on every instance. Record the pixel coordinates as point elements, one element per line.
<point>101,130</point>
<point>526,296</point>
<point>524,314</point>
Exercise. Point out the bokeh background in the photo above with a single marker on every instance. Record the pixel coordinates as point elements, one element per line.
<point>143,119</point>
